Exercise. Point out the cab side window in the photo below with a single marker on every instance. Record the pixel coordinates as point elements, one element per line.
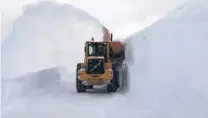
<point>91,50</point>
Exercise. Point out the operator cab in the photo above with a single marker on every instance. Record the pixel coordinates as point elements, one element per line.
<point>98,49</point>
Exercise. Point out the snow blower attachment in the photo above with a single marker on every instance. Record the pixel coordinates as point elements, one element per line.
<point>102,64</point>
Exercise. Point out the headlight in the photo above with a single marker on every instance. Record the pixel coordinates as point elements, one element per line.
<point>110,72</point>
<point>81,70</point>
<point>110,69</point>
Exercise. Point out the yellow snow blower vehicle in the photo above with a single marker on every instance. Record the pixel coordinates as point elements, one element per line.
<point>102,64</point>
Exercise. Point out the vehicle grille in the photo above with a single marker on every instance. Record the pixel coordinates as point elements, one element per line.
<point>95,66</point>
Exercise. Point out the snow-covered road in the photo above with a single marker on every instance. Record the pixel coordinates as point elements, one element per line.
<point>23,99</point>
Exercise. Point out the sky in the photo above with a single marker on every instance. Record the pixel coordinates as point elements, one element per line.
<point>122,17</point>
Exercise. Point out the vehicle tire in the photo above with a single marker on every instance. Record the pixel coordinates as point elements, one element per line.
<point>79,86</point>
<point>111,88</point>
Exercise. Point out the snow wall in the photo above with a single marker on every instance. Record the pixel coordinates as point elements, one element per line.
<point>169,67</point>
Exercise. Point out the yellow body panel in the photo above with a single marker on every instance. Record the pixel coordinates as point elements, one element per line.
<point>95,79</point>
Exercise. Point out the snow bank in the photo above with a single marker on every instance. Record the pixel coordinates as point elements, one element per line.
<point>170,61</point>
<point>47,35</point>
<point>30,96</point>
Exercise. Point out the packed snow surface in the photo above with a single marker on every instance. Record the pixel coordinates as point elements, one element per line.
<point>167,63</point>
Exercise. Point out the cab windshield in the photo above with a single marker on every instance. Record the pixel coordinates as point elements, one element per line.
<point>96,49</point>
